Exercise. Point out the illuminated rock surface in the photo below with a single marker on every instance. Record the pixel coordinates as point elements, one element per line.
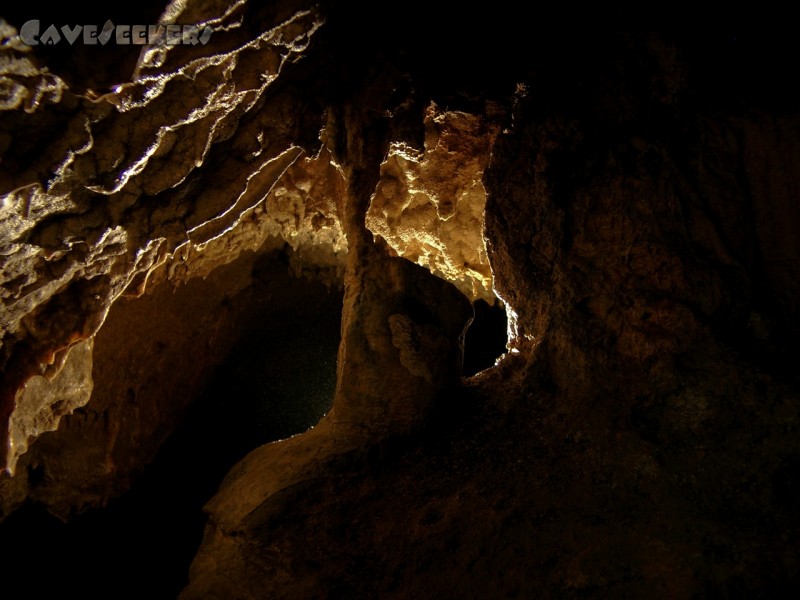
<point>429,205</point>
<point>630,199</point>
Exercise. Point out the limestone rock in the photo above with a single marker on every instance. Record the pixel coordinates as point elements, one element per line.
<point>400,355</point>
<point>428,205</point>
<point>46,398</point>
<point>98,209</point>
<point>636,196</point>
<point>630,444</point>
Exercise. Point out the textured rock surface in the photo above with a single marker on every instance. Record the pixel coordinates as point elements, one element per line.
<point>46,398</point>
<point>641,436</point>
<point>402,339</point>
<point>429,204</point>
<point>154,356</point>
<point>119,191</point>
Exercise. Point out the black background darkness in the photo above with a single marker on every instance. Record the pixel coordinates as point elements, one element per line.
<point>745,60</point>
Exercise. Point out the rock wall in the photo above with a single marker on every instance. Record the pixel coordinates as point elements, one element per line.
<point>89,213</point>
<point>638,437</point>
<point>629,198</point>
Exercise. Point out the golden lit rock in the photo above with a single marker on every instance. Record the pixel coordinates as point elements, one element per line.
<point>429,204</point>
<point>44,399</point>
<point>120,194</point>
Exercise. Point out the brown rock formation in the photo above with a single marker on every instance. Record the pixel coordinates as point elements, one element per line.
<point>631,200</point>
<point>429,205</point>
<point>60,280</point>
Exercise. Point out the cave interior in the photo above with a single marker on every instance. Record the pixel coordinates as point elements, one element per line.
<point>408,302</point>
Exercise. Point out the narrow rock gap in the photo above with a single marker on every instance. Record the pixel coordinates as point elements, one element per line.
<point>277,381</point>
<point>486,337</point>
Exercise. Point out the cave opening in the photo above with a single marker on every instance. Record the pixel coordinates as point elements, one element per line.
<point>277,380</point>
<point>486,337</point>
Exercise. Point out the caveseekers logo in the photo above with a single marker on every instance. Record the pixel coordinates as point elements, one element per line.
<point>31,33</point>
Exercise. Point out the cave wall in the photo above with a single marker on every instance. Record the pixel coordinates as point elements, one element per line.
<point>91,178</point>
<point>639,437</point>
<point>630,199</point>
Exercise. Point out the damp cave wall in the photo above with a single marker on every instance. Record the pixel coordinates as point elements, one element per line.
<point>642,226</point>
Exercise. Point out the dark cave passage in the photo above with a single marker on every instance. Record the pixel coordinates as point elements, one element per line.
<point>486,337</point>
<point>277,381</point>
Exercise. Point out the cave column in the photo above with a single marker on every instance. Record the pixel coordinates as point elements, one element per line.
<point>402,328</point>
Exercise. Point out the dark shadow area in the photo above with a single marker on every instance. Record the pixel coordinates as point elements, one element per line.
<point>277,381</point>
<point>84,66</point>
<point>486,337</point>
